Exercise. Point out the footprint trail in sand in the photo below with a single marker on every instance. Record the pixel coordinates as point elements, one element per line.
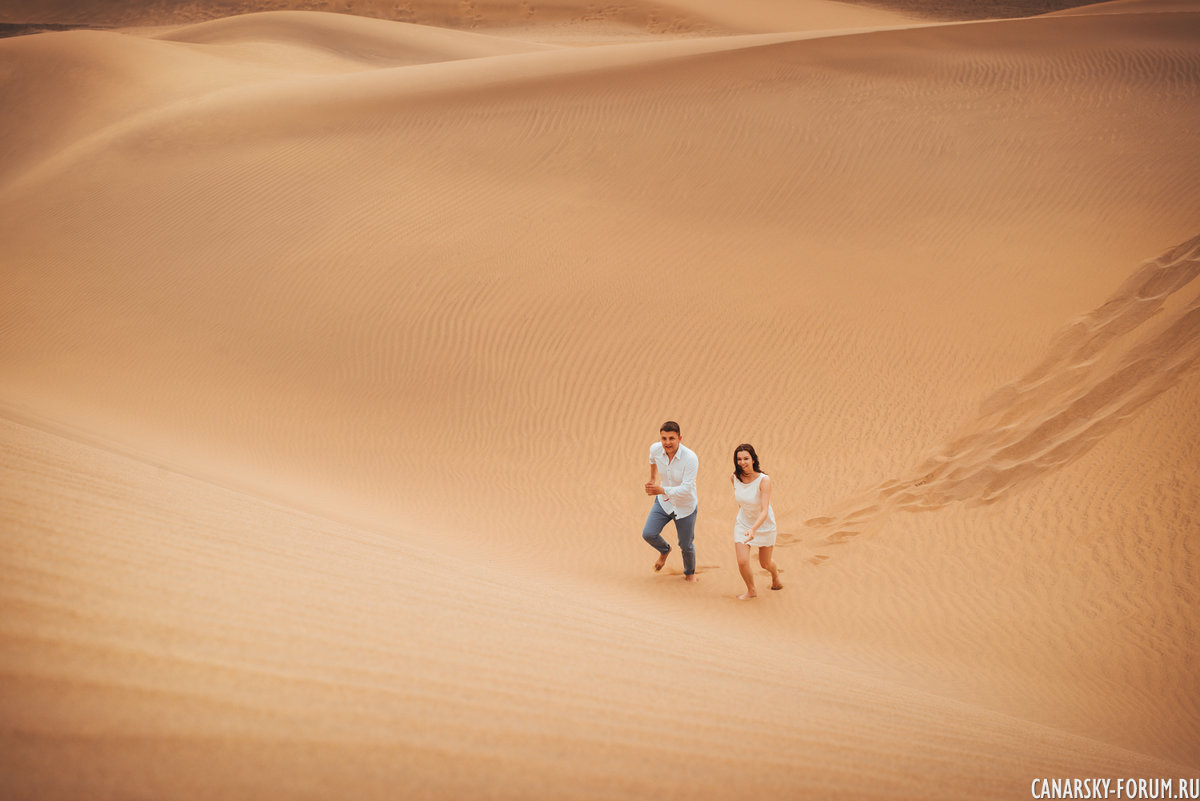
<point>1101,369</point>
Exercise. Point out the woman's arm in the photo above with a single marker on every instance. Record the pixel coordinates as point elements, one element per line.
<point>764,491</point>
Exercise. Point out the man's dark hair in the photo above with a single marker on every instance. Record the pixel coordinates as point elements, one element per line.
<point>670,425</point>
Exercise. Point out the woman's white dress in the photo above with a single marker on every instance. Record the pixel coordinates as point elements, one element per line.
<point>749,500</point>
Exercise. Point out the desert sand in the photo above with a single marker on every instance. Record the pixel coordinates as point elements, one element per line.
<point>331,348</point>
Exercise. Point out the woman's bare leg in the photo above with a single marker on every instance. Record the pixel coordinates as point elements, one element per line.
<point>743,558</point>
<point>764,559</point>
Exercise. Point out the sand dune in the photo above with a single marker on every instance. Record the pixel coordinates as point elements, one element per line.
<point>683,17</point>
<point>311,670</point>
<point>373,43</point>
<point>331,349</point>
<point>1131,6</point>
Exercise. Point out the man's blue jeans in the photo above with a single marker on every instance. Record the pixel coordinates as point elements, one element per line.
<point>656,521</point>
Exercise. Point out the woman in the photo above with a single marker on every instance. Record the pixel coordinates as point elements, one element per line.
<point>755,525</point>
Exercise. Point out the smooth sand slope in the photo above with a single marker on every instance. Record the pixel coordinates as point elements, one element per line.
<point>331,349</point>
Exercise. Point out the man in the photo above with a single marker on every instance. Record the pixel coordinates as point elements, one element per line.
<point>673,469</point>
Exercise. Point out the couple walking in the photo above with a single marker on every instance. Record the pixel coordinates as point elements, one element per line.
<point>673,471</point>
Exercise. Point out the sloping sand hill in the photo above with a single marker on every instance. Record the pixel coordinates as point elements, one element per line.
<point>681,17</point>
<point>331,349</point>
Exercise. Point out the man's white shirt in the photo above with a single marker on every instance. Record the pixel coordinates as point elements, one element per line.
<point>678,479</point>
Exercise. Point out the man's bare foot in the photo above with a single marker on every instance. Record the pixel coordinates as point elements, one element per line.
<point>777,586</point>
<point>662,560</point>
<point>746,596</point>
<point>692,577</point>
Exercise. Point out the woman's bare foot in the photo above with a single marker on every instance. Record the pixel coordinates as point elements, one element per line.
<point>662,560</point>
<point>692,577</point>
<point>746,596</point>
<point>777,585</point>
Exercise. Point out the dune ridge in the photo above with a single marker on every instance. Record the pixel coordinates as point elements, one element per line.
<point>371,42</point>
<point>1131,6</point>
<point>608,21</point>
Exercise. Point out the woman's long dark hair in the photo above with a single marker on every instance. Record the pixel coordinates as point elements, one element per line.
<point>748,448</point>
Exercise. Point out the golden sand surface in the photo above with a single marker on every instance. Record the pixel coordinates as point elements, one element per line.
<point>331,348</point>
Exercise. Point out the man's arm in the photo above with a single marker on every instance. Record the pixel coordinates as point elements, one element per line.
<point>652,487</point>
